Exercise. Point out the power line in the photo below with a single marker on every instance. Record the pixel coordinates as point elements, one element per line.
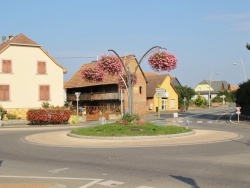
<point>74,57</point>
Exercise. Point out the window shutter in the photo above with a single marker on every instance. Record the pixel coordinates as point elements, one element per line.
<point>41,67</point>
<point>44,92</point>
<point>4,92</point>
<point>6,66</point>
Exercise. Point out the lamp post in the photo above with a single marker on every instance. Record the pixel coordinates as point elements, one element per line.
<point>130,77</point>
<point>209,88</point>
<point>77,99</point>
<point>243,67</point>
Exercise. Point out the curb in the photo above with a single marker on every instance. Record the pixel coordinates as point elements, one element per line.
<point>131,137</point>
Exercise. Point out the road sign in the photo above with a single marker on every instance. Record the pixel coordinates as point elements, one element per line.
<point>162,95</point>
<point>238,108</point>
<point>160,90</point>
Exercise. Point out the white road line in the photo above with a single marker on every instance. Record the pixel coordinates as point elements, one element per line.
<point>111,183</point>
<point>93,181</point>
<point>144,187</point>
<point>199,121</point>
<point>209,122</point>
<point>58,170</point>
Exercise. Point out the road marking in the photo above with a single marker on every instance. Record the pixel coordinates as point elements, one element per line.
<point>58,170</point>
<point>209,122</point>
<point>199,121</point>
<point>144,187</point>
<point>180,121</point>
<point>111,183</point>
<point>93,181</point>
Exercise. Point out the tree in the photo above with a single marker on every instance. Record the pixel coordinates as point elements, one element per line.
<point>200,101</point>
<point>184,92</point>
<point>229,96</point>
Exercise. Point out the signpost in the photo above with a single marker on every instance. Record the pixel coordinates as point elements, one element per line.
<point>160,92</point>
<point>238,112</point>
<point>77,99</point>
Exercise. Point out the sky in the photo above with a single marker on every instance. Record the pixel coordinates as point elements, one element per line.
<point>206,37</point>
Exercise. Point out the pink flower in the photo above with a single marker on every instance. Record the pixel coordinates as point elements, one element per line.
<point>92,74</point>
<point>110,64</point>
<point>162,61</point>
<point>121,83</point>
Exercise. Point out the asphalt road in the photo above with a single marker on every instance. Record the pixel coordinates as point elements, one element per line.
<point>222,164</point>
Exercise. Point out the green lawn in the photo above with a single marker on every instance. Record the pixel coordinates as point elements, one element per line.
<point>114,129</point>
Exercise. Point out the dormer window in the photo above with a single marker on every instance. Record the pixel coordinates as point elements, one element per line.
<point>6,66</point>
<point>41,67</point>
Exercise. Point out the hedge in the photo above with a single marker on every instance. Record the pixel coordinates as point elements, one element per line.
<point>48,116</point>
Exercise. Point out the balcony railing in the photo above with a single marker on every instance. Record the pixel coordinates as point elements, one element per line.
<point>94,96</point>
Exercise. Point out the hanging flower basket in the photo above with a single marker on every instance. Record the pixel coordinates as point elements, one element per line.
<point>110,64</point>
<point>121,81</point>
<point>162,61</point>
<point>92,74</point>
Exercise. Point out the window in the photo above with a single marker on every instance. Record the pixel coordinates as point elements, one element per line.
<point>6,66</point>
<point>4,93</point>
<point>44,92</point>
<point>140,89</point>
<point>41,67</point>
<point>172,103</point>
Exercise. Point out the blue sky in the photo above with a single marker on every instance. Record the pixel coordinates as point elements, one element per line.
<point>205,36</point>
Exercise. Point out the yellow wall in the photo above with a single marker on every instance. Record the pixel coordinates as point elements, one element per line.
<point>172,96</point>
<point>203,87</point>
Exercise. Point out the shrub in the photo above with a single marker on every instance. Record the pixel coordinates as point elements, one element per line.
<point>130,119</point>
<point>2,111</point>
<point>11,116</point>
<point>48,116</point>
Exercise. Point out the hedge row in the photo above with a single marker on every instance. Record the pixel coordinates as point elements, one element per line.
<point>48,116</point>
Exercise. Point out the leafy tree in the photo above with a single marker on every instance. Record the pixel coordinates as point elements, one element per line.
<point>243,94</point>
<point>184,92</point>
<point>200,101</point>
<point>229,96</point>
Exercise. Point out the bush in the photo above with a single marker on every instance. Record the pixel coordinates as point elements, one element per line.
<point>11,116</point>
<point>131,119</point>
<point>2,111</point>
<point>48,116</point>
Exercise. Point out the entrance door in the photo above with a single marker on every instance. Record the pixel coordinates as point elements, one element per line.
<point>164,104</point>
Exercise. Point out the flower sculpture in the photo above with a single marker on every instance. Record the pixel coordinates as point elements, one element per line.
<point>92,74</point>
<point>124,78</point>
<point>110,64</point>
<point>162,61</point>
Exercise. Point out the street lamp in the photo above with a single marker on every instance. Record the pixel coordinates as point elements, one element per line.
<point>210,81</point>
<point>77,99</point>
<point>130,77</point>
<point>243,67</point>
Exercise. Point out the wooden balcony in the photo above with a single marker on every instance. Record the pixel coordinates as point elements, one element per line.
<point>94,96</point>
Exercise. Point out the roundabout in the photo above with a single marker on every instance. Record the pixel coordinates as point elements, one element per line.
<point>65,139</point>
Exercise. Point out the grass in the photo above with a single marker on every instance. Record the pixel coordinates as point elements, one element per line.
<point>113,129</point>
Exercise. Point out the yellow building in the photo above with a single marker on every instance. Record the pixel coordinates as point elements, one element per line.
<point>165,102</point>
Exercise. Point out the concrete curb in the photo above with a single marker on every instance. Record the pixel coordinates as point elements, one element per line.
<point>131,137</point>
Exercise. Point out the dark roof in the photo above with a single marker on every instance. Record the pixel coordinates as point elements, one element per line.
<point>153,81</point>
<point>22,40</point>
<point>217,85</point>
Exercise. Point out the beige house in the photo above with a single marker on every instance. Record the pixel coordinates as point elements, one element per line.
<point>167,102</point>
<point>28,75</point>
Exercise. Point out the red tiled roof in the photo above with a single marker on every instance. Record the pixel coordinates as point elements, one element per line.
<point>21,39</point>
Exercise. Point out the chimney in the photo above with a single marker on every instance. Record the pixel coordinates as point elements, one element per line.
<point>3,39</point>
<point>10,36</point>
